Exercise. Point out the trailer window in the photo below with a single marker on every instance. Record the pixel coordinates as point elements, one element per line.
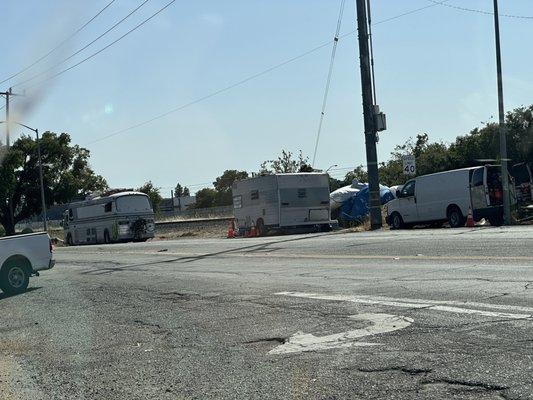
<point>254,194</point>
<point>108,207</point>
<point>477,178</point>
<point>237,202</point>
<point>302,193</point>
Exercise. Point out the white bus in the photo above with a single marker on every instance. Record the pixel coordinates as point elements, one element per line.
<point>119,217</point>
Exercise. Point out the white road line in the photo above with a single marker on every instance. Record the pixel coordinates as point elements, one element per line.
<point>379,323</point>
<point>436,305</point>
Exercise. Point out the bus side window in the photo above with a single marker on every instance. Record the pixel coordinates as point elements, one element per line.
<point>108,207</point>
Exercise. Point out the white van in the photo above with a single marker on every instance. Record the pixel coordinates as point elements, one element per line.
<point>447,196</point>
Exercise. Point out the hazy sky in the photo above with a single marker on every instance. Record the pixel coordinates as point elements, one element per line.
<point>435,72</point>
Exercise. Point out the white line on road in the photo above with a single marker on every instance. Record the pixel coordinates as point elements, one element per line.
<point>436,305</point>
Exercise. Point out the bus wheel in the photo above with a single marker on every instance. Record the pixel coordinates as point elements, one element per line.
<point>107,239</point>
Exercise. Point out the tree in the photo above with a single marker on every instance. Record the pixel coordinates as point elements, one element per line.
<point>178,191</point>
<point>286,164</point>
<point>205,198</point>
<point>358,173</point>
<point>181,191</point>
<point>223,186</point>
<point>66,175</point>
<point>154,193</point>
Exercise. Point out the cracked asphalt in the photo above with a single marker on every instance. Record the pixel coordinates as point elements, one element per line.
<point>200,318</point>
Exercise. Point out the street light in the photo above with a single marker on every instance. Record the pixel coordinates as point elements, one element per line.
<point>333,166</point>
<point>43,201</point>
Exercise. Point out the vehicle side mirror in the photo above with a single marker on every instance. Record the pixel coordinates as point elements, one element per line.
<point>398,193</point>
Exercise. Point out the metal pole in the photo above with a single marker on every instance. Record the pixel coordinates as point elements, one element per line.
<point>43,201</point>
<point>503,128</point>
<point>368,112</point>
<point>8,140</point>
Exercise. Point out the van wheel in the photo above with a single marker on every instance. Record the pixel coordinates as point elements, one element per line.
<point>107,238</point>
<point>397,221</point>
<point>14,279</point>
<point>455,218</point>
<point>69,240</point>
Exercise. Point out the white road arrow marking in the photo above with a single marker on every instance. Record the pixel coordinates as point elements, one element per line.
<point>380,323</point>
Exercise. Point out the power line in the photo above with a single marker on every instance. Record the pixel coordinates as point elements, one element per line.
<point>103,48</point>
<point>480,11</point>
<point>328,80</point>
<point>83,48</point>
<point>252,77</point>
<point>59,45</point>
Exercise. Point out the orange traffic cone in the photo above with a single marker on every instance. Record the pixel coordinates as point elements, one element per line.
<point>470,219</point>
<point>231,230</point>
<point>253,231</point>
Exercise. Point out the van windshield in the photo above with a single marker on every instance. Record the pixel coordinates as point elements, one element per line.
<point>133,203</point>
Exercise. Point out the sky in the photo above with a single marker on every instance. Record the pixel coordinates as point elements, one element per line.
<point>435,73</point>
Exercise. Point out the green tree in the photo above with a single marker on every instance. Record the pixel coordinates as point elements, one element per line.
<point>178,190</point>
<point>358,173</point>
<point>205,198</point>
<point>66,175</point>
<point>286,163</point>
<point>223,186</point>
<point>154,193</point>
<point>186,191</point>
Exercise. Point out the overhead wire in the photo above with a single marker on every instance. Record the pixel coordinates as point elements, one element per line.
<point>103,48</point>
<point>328,79</point>
<point>59,45</point>
<point>254,76</point>
<point>473,10</point>
<point>54,67</point>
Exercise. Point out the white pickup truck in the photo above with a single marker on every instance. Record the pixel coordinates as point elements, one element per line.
<point>22,256</point>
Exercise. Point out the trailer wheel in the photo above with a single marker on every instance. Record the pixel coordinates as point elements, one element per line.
<point>260,227</point>
<point>107,238</point>
<point>15,276</point>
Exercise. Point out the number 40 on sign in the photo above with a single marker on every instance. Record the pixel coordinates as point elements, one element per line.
<point>409,164</point>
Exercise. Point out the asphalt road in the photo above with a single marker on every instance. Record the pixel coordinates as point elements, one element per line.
<point>423,314</point>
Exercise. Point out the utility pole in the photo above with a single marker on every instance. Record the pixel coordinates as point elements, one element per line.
<point>503,128</point>
<point>43,201</point>
<point>369,113</point>
<point>7,94</point>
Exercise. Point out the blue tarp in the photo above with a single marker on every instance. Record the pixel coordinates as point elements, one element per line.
<point>356,207</point>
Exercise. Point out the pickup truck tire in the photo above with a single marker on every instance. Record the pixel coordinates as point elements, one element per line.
<point>455,217</point>
<point>14,276</point>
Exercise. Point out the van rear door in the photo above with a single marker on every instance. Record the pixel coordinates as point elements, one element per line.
<point>478,189</point>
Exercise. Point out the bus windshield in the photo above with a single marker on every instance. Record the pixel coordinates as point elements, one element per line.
<point>134,203</point>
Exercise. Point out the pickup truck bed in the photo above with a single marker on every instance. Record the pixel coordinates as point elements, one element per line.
<point>22,256</point>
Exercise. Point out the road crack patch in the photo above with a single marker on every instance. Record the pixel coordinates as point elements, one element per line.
<point>407,370</point>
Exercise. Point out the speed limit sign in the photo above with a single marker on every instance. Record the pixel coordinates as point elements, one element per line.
<point>409,164</point>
